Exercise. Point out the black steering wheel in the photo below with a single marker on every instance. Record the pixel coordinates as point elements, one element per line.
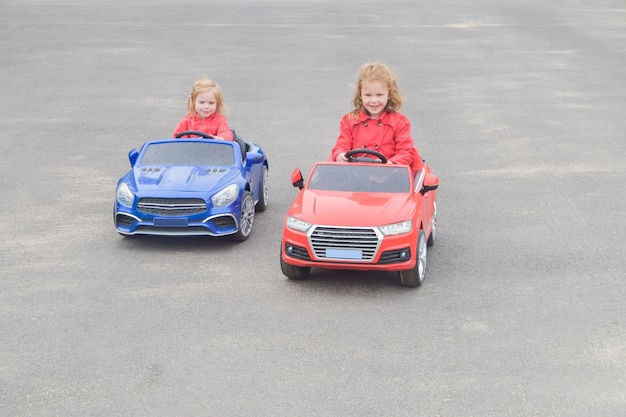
<point>380,158</point>
<point>195,133</point>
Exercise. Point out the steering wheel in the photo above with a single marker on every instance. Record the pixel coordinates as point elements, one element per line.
<point>380,158</point>
<point>195,133</point>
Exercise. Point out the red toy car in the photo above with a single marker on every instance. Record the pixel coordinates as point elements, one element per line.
<point>364,215</point>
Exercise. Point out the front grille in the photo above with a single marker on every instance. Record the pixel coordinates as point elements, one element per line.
<point>171,206</point>
<point>364,240</point>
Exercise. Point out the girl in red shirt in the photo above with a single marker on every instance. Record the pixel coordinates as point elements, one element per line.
<point>206,111</point>
<point>375,122</point>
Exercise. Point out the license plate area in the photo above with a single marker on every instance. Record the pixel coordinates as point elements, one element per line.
<point>165,222</point>
<point>344,254</point>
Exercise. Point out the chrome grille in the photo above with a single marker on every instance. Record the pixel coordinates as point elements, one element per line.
<point>171,206</point>
<point>350,239</point>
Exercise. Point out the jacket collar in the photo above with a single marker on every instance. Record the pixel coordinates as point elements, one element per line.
<point>364,117</point>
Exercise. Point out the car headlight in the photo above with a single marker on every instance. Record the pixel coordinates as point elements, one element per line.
<point>226,196</point>
<point>297,224</point>
<point>124,196</point>
<point>397,228</point>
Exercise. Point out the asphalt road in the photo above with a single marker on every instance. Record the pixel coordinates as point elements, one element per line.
<point>518,107</point>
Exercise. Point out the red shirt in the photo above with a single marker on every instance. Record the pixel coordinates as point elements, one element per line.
<point>215,125</point>
<point>390,135</point>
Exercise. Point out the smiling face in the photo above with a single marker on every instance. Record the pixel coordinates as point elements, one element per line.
<point>205,104</point>
<point>375,95</point>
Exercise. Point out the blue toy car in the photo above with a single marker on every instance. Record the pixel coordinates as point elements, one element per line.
<point>192,186</point>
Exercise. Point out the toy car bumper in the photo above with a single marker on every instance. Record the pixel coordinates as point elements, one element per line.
<point>206,224</point>
<point>371,252</point>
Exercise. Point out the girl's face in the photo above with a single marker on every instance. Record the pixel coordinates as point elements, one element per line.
<point>205,104</point>
<point>375,95</point>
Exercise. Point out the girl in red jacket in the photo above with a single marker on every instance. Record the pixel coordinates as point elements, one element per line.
<point>375,122</point>
<point>207,111</point>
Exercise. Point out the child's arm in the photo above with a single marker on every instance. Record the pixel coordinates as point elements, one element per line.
<point>403,142</point>
<point>223,131</point>
<point>344,140</point>
<point>182,126</point>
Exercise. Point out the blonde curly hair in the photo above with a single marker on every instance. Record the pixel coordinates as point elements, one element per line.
<point>202,86</point>
<point>377,71</point>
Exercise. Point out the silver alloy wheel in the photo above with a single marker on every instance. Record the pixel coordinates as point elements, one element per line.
<point>266,188</point>
<point>263,190</point>
<point>414,277</point>
<point>421,258</point>
<point>247,217</point>
<point>247,214</point>
<point>433,232</point>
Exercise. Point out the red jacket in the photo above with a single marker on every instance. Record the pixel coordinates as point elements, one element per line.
<point>215,125</point>
<point>390,135</point>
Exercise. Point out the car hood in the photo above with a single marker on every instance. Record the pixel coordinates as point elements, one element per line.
<point>180,178</point>
<point>352,209</point>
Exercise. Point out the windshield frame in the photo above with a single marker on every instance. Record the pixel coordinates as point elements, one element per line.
<point>187,153</point>
<point>360,178</point>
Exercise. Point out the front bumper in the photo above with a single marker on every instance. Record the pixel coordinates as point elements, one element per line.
<point>352,249</point>
<point>212,222</point>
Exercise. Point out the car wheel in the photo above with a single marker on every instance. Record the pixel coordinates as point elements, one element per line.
<point>247,217</point>
<point>433,232</point>
<point>262,204</point>
<point>415,277</point>
<point>293,272</point>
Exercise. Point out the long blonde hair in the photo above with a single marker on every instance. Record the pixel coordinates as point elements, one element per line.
<point>202,86</point>
<point>377,71</point>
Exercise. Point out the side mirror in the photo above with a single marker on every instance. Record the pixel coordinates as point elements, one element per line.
<point>296,178</point>
<point>431,182</point>
<point>254,157</point>
<point>132,157</point>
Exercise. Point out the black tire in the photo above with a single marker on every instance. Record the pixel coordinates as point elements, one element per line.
<point>247,218</point>
<point>415,277</point>
<point>263,202</point>
<point>433,232</point>
<point>293,272</point>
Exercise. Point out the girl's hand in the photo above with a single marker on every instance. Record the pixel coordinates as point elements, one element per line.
<point>342,157</point>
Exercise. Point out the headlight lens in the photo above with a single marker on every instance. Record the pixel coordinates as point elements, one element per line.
<point>124,196</point>
<point>397,228</point>
<point>297,224</point>
<point>226,196</point>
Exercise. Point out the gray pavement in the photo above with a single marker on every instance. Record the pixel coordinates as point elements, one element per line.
<point>519,108</point>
